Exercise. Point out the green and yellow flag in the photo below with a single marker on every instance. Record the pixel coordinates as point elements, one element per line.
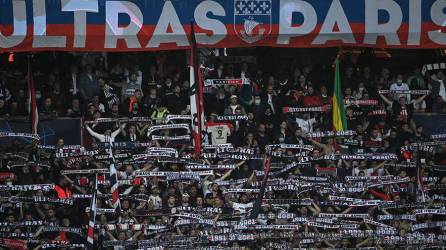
<point>339,120</point>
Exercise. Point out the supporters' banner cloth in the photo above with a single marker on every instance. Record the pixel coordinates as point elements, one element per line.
<point>433,66</point>
<point>106,25</point>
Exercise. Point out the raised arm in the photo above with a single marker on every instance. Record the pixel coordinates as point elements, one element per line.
<point>142,130</point>
<point>419,99</point>
<point>94,134</point>
<point>379,165</point>
<point>110,235</point>
<point>385,99</point>
<point>226,175</point>
<point>317,143</point>
<point>364,242</point>
<point>116,132</point>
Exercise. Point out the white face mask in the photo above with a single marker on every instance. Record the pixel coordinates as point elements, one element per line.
<point>400,81</point>
<point>257,101</point>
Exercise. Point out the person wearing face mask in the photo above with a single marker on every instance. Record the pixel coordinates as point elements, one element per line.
<point>400,85</point>
<point>257,108</point>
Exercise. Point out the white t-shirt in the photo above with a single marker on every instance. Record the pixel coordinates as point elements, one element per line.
<point>403,86</point>
<point>367,172</point>
<point>306,125</point>
<point>219,133</point>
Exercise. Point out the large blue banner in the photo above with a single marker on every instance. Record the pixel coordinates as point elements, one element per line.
<point>50,131</point>
<point>432,123</point>
<point>114,25</point>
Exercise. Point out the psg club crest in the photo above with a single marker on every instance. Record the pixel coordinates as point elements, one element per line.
<point>252,19</point>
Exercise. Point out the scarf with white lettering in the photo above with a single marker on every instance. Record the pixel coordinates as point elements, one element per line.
<point>24,135</point>
<point>44,187</point>
<point>411,92</point>
<point>361,102</point>
<point>232,117</point>
<point>170,138</point>
<point>212,167</point>
<point>74,230</point>
<point>218,82</point>
<point>168,127</point>
<point>306,109</point>
<point>330,134</point>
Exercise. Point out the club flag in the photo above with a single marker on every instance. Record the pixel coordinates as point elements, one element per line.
<point>92,221</point>
<point>196,103</point>
<point>113,178</point>
<point>258,202</point>
<point>339,120</point>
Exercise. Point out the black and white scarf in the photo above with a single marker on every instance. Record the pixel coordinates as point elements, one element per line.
<point>44,187</point>
<point>411,92</point>
<point>232,117</point>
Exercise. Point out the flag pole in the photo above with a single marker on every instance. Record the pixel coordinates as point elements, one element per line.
<point>32,103</point>
<point>339,56</point>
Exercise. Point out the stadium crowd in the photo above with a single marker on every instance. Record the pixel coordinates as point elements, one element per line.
<point>357,189</point>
